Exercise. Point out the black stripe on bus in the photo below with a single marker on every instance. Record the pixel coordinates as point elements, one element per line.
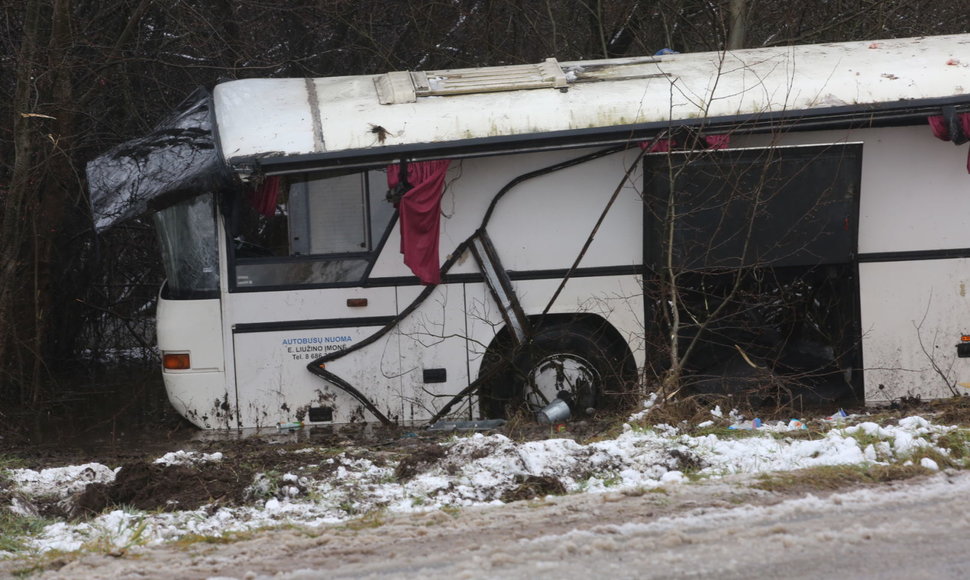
<point>914,255</point>
<point>321,324</point>
<point>469,278</point>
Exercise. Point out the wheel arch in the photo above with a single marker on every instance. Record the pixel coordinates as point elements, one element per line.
<point>502,350</point>
<point>593,324</point>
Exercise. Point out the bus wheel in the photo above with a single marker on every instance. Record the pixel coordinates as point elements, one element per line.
<point>570,359</point>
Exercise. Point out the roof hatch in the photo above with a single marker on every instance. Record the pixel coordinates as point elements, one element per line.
<point>405,87</point>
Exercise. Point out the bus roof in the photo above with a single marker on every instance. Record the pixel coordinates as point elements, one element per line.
<point>289,123</point>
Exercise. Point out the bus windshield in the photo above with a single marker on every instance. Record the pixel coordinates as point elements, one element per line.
<point>190,251</point>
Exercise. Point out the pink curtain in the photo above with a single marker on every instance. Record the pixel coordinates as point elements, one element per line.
<point>717,141</point>
<point>420,211</point>
<point>941,130</point>
<point>665,145</point>
<point>658,146</point>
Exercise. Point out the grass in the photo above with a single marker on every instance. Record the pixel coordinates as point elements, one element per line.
<point>953,411</point>
<point>864,439</point>
<point>941,459</point>
<point>190,540</point>
<point>810,434</point>
<point>957,442</point>
<point>612,481</point>
<point>348,506</point>
<point>370,520</point>
<point>119,539</point>
<point>640,491</point>
<point>722,432</point>
<point>833,477</point>
<point>18,529</point>
<point>10,462</point>
<point>15,529</point>
<point>53,560</point>
<point>613,431</point>
<point>265,485</point>
<point>452,510</point>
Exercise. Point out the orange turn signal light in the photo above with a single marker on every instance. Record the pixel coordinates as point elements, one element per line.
<point>176,361</point>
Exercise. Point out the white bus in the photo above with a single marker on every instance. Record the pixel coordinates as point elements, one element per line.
<point>409,246</point>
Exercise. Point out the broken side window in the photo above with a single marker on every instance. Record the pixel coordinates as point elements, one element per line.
<point>311,229</point>
<point>759,247</point>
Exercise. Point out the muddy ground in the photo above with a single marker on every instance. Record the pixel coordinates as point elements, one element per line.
<point>145,485</point>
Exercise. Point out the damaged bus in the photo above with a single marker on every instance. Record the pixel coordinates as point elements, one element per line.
<point>418,245</point>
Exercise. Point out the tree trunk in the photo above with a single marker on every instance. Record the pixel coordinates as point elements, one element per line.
<point>737,27</point>
<point>42,187</point>
<point>14,235</point>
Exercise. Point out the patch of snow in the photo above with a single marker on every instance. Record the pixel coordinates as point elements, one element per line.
<point>59,481</point>
<point>188,457</point>
<point>648,404</point>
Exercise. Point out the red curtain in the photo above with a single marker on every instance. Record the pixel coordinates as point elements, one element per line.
<point>961,127</point>
<point>264,197</point>
<point>717,141</point>
<point>420,212</point>
<point>665,145</point>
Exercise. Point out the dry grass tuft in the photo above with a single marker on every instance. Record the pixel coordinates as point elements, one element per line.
<point>953,411</point>
<point>833,477</point>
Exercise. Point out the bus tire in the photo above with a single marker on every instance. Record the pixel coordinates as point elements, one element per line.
<point>584,362</point>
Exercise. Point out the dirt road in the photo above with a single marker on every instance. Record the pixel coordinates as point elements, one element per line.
<point>718,529</point>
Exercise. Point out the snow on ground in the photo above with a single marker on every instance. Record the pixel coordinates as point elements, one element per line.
<point>187,457</point>
<point>475,470</point>
<point>59,481</point>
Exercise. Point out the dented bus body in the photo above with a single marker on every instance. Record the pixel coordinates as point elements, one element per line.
<point>541,210</point>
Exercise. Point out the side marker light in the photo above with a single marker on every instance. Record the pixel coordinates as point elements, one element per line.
<point>176,361</point>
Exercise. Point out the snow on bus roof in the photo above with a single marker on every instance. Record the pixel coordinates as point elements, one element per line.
<point>283,118</point>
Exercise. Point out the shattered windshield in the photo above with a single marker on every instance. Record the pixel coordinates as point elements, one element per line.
<point>190,250</point>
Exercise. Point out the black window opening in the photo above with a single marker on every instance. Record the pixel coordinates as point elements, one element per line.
<point>316,230</point>
<point>759,246</point>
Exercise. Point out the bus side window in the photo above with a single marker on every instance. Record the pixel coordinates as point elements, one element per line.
<point>261,233</point>
<point>339,215</point>
<point>325,230</point>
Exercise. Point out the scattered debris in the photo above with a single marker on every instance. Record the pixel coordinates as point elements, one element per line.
<point>557,411</point>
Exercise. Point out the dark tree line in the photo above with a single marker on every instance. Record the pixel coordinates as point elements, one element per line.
<point>77,77</point>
